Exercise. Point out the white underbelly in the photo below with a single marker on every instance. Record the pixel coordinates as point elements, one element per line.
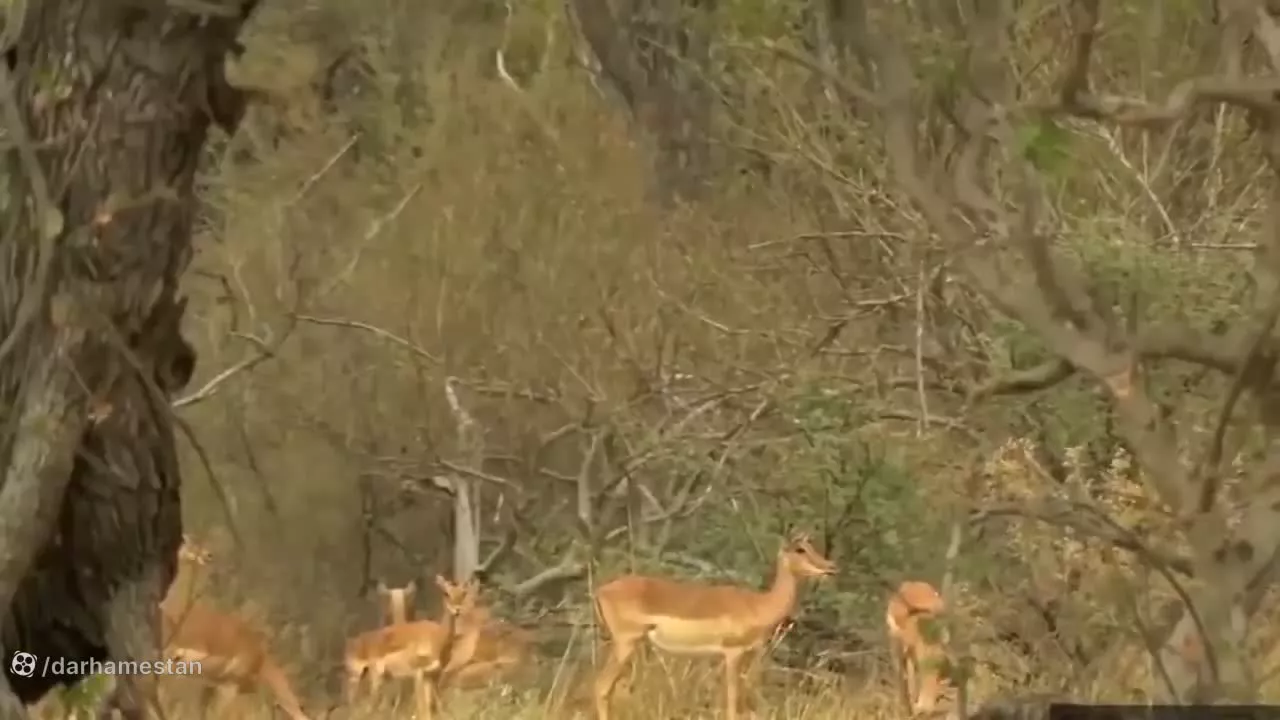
<point>701,637</point>
<point>683,647</point>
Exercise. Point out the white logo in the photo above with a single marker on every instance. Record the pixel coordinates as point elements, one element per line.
<point>23,664</point>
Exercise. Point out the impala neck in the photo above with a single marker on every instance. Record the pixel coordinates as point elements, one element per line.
<point>398,608</point>
<point>449,622</point>
<point>781,596</point>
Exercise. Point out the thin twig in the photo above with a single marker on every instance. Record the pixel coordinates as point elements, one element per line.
<point>375,330</point>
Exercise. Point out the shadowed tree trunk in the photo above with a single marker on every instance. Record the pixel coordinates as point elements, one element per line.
<point>109,105</point>
<point>657,55</point>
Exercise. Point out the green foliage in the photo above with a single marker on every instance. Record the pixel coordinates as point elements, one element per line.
<point>1167,284</point>
<point>1045,144</point>
<point>932,630</point>
<point>760,18</point>
<point>85,695</point>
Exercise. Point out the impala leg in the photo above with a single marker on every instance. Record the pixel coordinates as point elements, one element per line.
<point>427,697</point>
<point>732,682</point>
<point>899,674</point>
<point>930,680</point>
<point>224,697</point>
<point>352,688</point>
<point>909,678</point>
<point>620,652</point>
<point>375,682</point>
<point>752,669</point>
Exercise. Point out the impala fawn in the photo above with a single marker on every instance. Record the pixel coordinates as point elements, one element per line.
<point>418,650</point>
<point>685,617</point>
<point>918,659</point>
<point>232,654</point>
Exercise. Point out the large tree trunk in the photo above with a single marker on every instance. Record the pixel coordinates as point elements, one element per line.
<point>116,99</point>
<point>657,56</point>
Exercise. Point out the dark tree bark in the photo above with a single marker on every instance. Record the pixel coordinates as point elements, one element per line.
<point>657,55</point>
<point>115,100</point>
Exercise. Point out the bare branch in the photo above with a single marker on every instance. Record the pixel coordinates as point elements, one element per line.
<point>375,330</point>
<point>585,504</point>
<point>566,570</point>
<point>265,350</point>
<point>1038,377</point>
<point>1254,361</point>
<point>1253,94</point>
<point>1086,520</point>
<point>480,475</point>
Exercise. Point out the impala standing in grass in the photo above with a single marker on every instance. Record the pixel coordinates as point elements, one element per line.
<point>497,649</point>
<point>232,654</point>
<point>687,618</point>
<point>418,650</point>
<point>918,659</point>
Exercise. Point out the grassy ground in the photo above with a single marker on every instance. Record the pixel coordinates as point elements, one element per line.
<point>658,687</point>
<point>663,688</point>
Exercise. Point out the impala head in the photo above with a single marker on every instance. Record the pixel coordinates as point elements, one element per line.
<point>921,597</point>
<point>804,560</point>
<point>193,553</point>
<point>402,594</point>
<point>458,598</point>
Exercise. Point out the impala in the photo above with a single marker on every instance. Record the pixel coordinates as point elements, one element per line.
<point>397,604</point>
<point>484,656</point>
<point>232,654</point>
<point>918,660</point>
<point>689,618</point>
<point>418,650</point>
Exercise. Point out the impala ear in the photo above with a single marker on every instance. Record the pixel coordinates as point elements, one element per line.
<point>411,588</point>
<point>442,583</point>
<point>382,588</point>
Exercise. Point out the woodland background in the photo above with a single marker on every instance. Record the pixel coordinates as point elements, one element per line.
<point>684,305</point>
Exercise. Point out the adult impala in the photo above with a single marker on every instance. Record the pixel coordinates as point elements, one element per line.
<point>688,618</point>
<point>233,655</point>
<point>419,650</point>
<point>918,659</point>
<point>487,655</point>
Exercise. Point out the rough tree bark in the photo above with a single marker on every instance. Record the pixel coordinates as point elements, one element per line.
<point>656,55</point>
<point>110,106</point>
<point>984,199</point>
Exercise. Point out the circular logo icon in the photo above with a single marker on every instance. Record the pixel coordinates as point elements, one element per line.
<point>23,664</point>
